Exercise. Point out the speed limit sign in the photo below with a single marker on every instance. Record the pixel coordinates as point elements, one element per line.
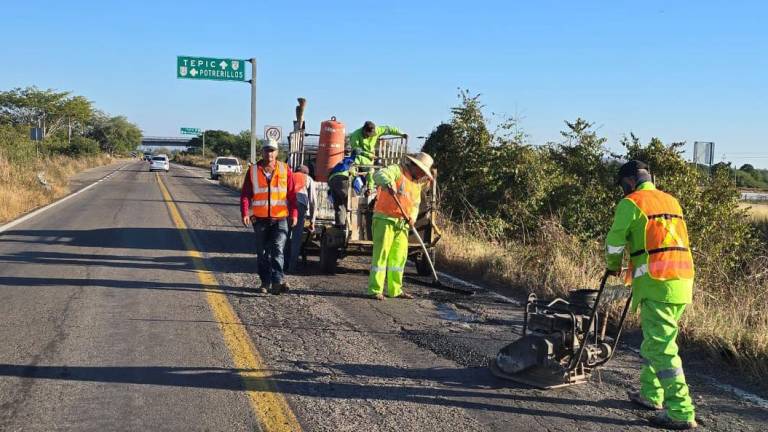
<point>273,133</point>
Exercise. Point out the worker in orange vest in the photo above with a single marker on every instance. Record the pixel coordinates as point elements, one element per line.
<point>649,226</point>
<point>391,224</point>
<point>306,202</point>
<point>268,202</point>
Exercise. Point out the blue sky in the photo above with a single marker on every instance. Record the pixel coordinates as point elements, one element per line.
<point>682,71</point>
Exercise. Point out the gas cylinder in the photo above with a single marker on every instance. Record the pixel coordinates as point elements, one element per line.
<point>330,148</point>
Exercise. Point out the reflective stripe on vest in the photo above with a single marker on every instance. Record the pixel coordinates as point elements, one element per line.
<point>408,193</point>
<point>270,198</point>
<point>667,251</point>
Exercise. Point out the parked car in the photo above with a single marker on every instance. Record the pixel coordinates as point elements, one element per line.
<point>148,156</point>
<point>225,165</point>
<point>159,163</point>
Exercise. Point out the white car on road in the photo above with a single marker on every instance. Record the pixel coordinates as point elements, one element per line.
<point>159,163</point>
<point>225,165</point>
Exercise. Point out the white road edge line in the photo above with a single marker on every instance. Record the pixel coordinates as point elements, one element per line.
<point>192,171</point>
<point>28,216</point>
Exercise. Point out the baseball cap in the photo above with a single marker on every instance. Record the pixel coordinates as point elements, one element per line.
<point>630,169</point>
<point>270,144</point>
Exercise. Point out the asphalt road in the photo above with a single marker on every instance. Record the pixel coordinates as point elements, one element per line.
<point>109,322</point>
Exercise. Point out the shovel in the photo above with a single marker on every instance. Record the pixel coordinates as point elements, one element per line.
<point>436,283</point>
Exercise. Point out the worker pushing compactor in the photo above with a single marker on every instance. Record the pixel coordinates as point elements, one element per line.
<point>651,223</point>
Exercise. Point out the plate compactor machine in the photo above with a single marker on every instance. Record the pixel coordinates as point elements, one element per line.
<point>563,340</point>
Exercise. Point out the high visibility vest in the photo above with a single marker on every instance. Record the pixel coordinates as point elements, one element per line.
<point>300,182</point>
<point>270,198</point>
<point>667,253</point>
<point>408,193</point>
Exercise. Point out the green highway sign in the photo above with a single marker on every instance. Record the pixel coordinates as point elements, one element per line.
<point>190,131</point>
<point>210,68</point>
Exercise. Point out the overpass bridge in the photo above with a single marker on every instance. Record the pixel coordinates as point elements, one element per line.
<point>173,144</point>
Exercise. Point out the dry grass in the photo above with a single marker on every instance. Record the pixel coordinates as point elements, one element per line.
<point>21,191</point>
<point>193,160</point>
<point>527,267</point>
<point>234,182</point>
<point>758,211</point>
<point>728,320</point>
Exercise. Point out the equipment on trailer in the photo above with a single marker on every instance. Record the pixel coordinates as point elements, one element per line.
<point>563,340</point>
<point>330,148</point>
<point>333,243</point>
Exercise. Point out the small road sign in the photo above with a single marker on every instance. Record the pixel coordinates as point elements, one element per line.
<point>210,68</point>
<point>273,133</point>
<point>190,131</point>
<point>36,134</point>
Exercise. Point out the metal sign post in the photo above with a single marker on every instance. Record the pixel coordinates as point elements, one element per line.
<point>253,111</point>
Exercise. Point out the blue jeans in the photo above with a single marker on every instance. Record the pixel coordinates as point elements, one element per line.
<point>294,244</point>
<point>270,242</point>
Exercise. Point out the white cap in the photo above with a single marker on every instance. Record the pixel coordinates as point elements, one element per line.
<point>270,143</point>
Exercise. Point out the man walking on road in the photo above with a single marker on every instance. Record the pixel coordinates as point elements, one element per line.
<point>396,183</point>
<point>269,195</point>
<point>651,223</point>
<point>306,201</point>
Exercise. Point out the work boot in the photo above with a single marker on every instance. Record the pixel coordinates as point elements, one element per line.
<point>279,288</point>
<point>263,288</point>
<point>377,296</point>
<point>663,421</point>
<point>638,399</point>
<point>405,295</point>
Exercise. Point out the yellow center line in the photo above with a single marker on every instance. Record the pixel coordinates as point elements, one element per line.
<point>270,407</point>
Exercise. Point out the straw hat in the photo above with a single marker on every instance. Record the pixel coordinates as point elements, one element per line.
<point>423,161</point>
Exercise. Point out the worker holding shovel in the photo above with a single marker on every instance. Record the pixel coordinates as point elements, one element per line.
<point>651,223</point>
<point>396,209</point>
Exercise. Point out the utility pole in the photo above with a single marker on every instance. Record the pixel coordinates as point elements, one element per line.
<point>253,111</point>
<point>203,143</point>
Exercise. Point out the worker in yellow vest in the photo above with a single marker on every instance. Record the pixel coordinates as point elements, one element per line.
<point>650,223</point>
<point>268,202</point>
<point>391,224</point>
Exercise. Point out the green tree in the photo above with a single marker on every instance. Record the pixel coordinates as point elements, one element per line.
<point>460,149</point>
<point>77,111</point>
<point>115,134</point>
<point>585,194</point>
<point>83,146</point>
<point>51,109</point>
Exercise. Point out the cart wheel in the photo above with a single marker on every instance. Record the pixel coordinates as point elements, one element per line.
<point>329,256</point>
<point>422,265</point>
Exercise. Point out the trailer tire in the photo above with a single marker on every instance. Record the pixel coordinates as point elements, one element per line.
<point>329,256</point>
<point>422,265</point>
